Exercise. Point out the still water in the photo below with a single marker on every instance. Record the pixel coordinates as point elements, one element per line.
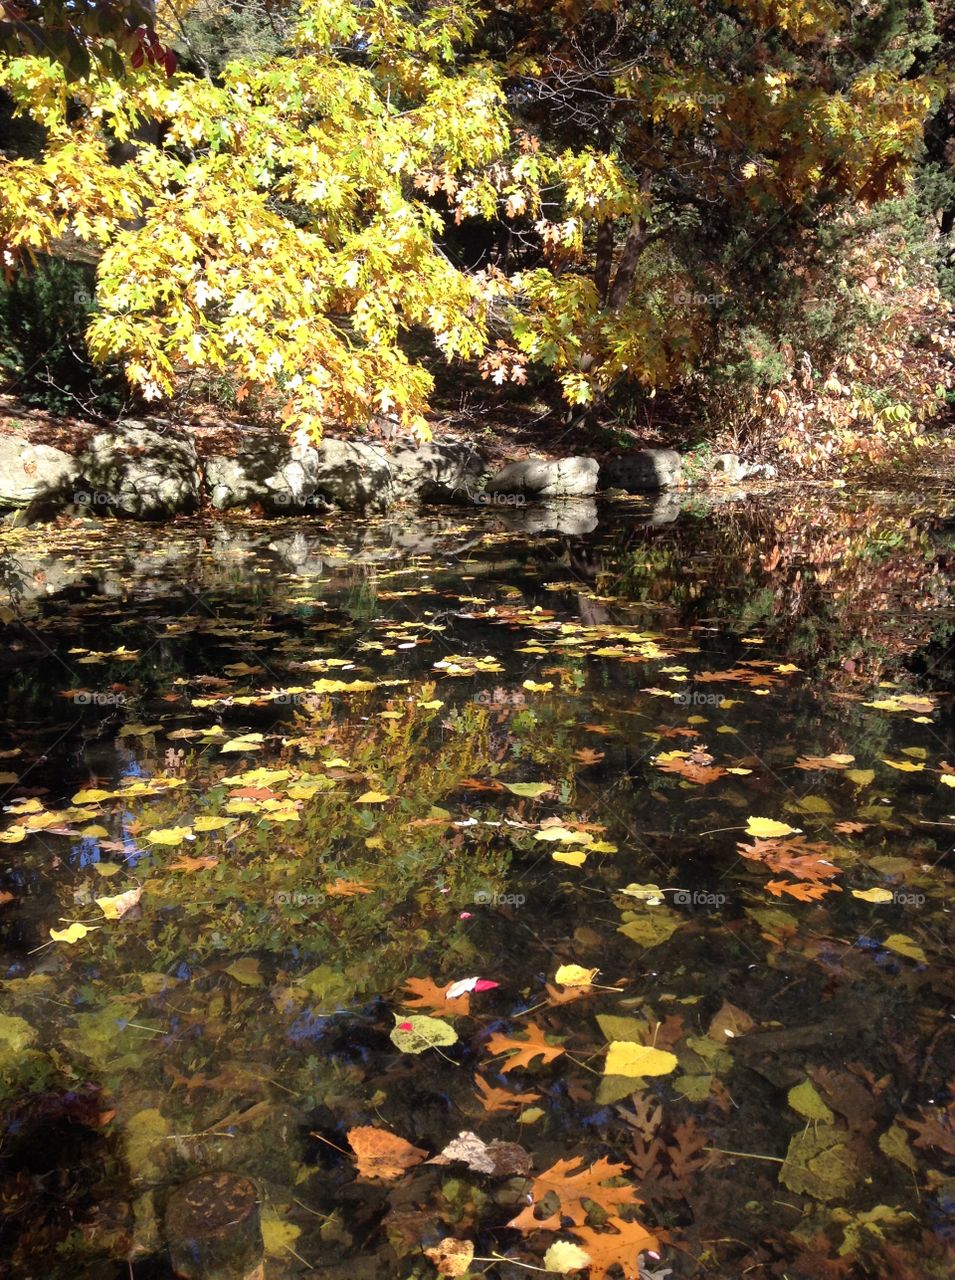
<point>677,783</point>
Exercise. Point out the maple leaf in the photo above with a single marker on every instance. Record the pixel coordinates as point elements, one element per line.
<point>493,1098</point>
<point>935,1129</point>
<point>572,1186</point>
<point>426,994</point>
<point>523,1052</point>
<point>620,1247</point>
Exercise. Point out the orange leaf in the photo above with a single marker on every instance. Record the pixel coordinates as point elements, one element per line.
<point>494,1099</point>
<point>523,1052</point>
<point>380,1154</point>
<point>804,892</point>
<point>571,1190</point>
<point>428,995</point>
<point>619,1247</point>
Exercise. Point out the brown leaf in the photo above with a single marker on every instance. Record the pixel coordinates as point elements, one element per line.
<point>346,888</point>
<point>502,1159</point>
<point>380,1154</point>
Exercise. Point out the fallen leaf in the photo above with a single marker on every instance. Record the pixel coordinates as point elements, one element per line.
<point>575,975</point>
<point>421,1032</point>
<point>626,1058</point>
<point>768,828</point>
<point>451,1257</point>
<point>380,1154</point>
<point>116,907</point>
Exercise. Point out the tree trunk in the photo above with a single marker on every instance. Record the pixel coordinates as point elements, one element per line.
<point>604,262</point>
<point>633,246</point>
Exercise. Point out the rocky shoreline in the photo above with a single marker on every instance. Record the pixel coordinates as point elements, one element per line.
<point>152,471</point>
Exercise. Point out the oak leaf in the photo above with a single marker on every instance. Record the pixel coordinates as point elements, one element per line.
<point>572,1185</point>
<point>523,1052</point>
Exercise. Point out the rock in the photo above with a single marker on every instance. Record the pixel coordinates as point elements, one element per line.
<point>727,467</point>
<point>213,1229</point>
<point>140,472</point>
<point>538,477</point>
<point>288,477</point>
<point>34,474</point>
<point>571,516</point>
<point>441,470</point>
<point>354,475</point>
<point>642,471</point>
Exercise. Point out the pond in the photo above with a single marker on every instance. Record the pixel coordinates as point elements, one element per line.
<point>679,790</point>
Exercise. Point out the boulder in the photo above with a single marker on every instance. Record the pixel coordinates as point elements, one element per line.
<point>642,471</point>
<point>571,516</point>
<point>541,478</point>
<point>289,476</point>
<point>34,474</point>
<point>441,470</point>
<point>139,472</point>
<point>353,475</point>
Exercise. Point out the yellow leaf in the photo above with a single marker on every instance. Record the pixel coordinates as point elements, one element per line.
<point>574,975</point>
<point>168,835</point>
<point>903,766</point>
<point>872,895</point>
<point>210,823</point>
<point>947,779</point>
<point>534,687</point>
<point>373,797</point>
<point>71,934</point>
<point>116,907</point>
<point>249,742</point>
<point>563,1257</point>
<point>903,945</point>
<point>768,828</point>
<point>573,857</point>
<point>627,1058</point>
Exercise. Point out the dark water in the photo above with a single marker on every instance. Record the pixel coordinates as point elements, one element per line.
<point>663,674</point>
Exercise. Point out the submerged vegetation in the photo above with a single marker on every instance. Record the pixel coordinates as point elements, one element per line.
<point>581,904</point>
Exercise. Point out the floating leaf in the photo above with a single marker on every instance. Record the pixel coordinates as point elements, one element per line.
<point>872,895</point>
<point>419,1032</point>
<point>246,971</point>
<point>168,835</point>
<point>574,975</point>
<point>116,907</point>
<point>73,933</point>
<point>807,1101</point>
<point>625,1058</point>
<point>381,1154</point>
<point>373,797</point>
<point>451,1257</point>
<point>530,790</point>
<point>903,945</point>
<point>903,766</point>
<point>564,1257</point>
<point>768,828</point>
